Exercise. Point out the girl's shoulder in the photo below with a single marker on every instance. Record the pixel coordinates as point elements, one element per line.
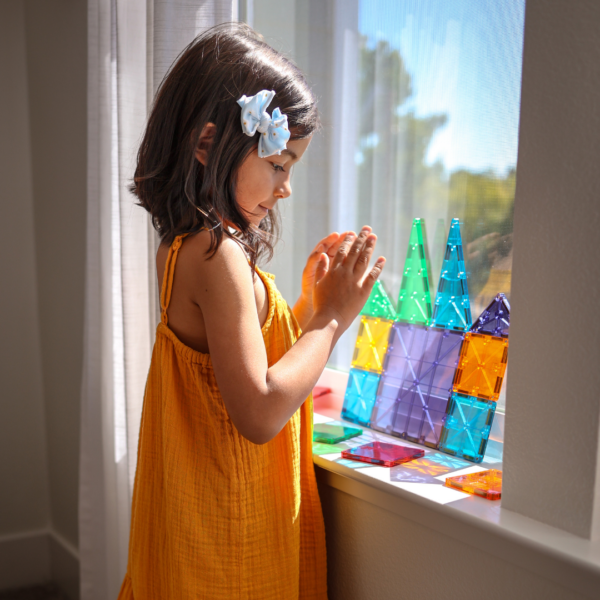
<point>209,293</point>
<point>222,283</point>
<point>198,268</point>
<point>229,255</point>
<point>196,252</point>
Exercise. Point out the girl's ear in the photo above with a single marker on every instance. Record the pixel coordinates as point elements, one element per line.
<point>205,142</point>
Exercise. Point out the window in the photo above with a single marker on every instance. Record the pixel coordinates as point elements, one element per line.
<point>420,103</point>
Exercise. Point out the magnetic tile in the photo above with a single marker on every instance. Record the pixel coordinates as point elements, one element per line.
<point>487,484</point>
<point>416,384</point>
<point>452,308</point>
<point>379,303</point>
<point>414,301</point>
<point>382,453</point>
<point>371,344</point>
<point>420,418</point>
<point>334,432</point>
<point>359,399</point>
<point>467,428</point>
<point>471,469</point>
<point>320,390</point>
<point>495,319</point>
<point>481,366</point>
<point>320,449</point>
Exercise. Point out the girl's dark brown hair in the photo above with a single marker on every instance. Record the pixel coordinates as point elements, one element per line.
<point>203,86</point>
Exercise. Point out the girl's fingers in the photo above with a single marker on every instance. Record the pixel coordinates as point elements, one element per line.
<point>331,240</point>
<point>342,251</point>
<point>362,262</point>
<point>325,245</point>
<point>318,249</point>
<point>374,274</point>
<point>327,242</point>
<point>335,246</point>
<point>357,248</point>
<point>322,267</point>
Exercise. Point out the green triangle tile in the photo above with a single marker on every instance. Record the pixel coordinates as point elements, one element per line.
<point>414,301</point>
<point>379,304</point>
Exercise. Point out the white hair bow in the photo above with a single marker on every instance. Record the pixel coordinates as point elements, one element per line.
<point>274,132</point>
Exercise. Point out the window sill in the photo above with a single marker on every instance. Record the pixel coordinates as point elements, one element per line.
<point>559,556</point>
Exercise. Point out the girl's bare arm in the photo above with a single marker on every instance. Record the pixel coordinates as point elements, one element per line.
<point>261,399</point>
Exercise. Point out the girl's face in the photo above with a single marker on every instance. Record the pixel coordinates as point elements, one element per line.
<point>262,182</point>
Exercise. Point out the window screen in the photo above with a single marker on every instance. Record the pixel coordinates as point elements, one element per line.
<point>420,103</point>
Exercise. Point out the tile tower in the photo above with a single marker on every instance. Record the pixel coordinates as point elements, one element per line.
<point>427,373</point>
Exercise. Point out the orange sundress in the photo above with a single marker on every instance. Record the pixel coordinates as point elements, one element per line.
<point>215,516</point>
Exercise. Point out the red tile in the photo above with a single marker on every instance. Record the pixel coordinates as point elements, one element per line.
<point>320,390</point>
<point>381,453</point>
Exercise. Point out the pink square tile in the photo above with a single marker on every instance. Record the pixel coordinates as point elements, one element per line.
<point>381,453</point>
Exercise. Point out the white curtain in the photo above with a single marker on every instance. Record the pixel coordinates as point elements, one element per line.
<point>131,44</point>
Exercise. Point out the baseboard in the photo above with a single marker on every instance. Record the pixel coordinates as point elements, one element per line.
<point>24,559</point>
<point>35,557</point>
<point>64,565</point>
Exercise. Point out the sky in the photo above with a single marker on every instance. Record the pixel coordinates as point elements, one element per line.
<point>465,58</point>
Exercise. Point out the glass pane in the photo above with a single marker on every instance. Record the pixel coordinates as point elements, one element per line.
<point>432,90</point>
<point>439,92</point>
<point>439,115</point>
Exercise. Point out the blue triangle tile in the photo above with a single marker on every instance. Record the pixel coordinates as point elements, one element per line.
<point>452,309</point>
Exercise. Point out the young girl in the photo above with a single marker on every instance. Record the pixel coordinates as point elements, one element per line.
<point>225,503</point>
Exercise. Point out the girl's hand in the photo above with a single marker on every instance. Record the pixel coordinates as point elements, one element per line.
<point>343,283</point>
<point>303,309</point>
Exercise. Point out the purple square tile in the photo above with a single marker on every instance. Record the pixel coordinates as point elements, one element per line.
<point>444,376</point>
<point>416,382</point>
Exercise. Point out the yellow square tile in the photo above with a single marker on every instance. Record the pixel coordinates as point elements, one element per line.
<point>481,366</point>
<point>371,344</point>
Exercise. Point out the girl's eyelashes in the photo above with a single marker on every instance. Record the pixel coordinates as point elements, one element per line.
<point>278,168</point>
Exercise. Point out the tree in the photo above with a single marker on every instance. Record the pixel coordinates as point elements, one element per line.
<point>396,183</point>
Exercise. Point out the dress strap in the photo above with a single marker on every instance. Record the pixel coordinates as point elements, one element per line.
<point>167,282</point>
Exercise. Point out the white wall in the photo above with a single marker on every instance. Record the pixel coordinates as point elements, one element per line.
<point>43,56</point>
<point>24,498</point>
<point>56,33</point>
<point>552,454</point>
<point>375,554</point>
<point>24,502</point>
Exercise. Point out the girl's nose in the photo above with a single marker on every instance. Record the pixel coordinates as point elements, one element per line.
<point>284,190</point>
